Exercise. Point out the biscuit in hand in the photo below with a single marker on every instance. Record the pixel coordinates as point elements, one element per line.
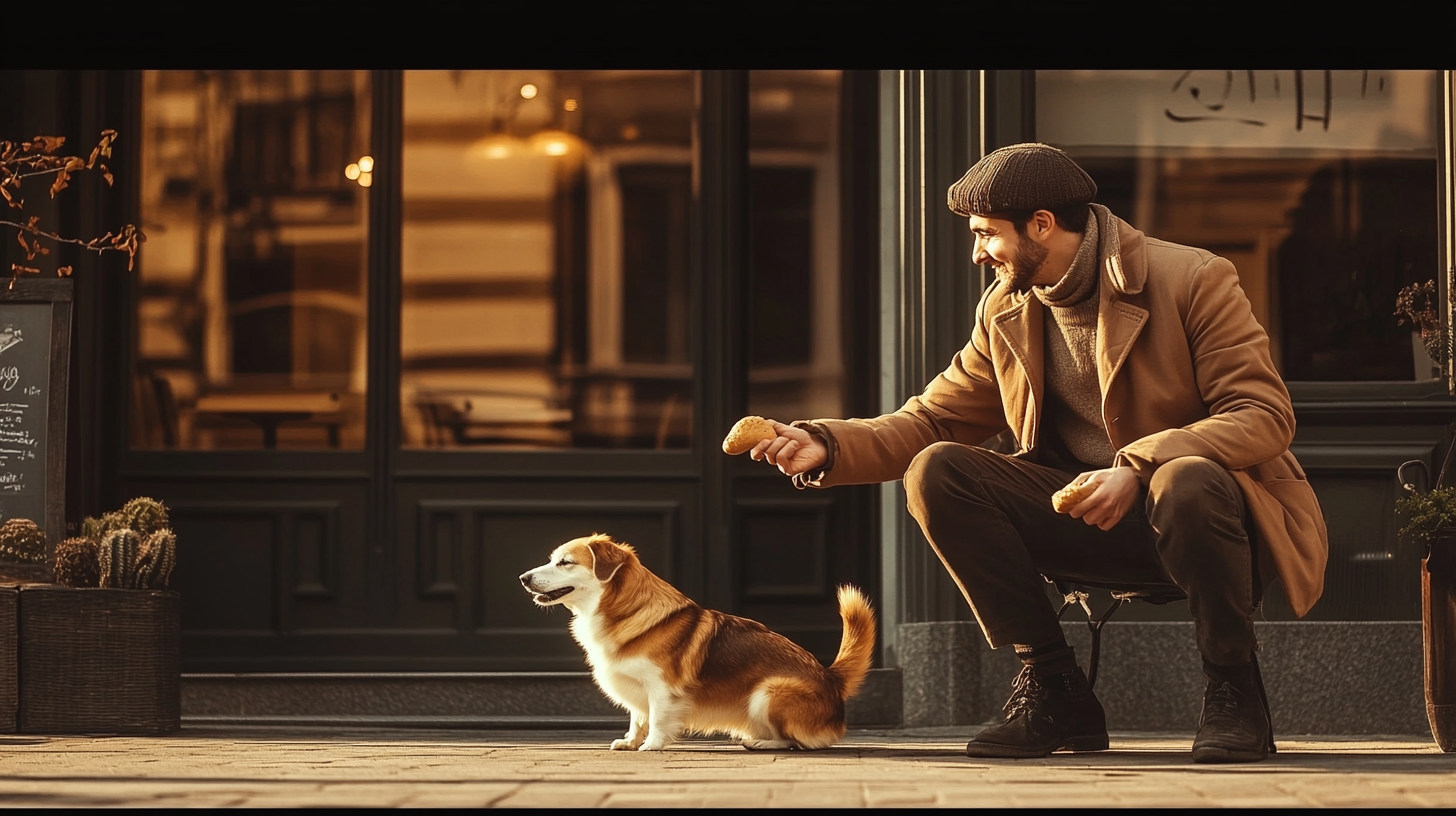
<point>748,432</point>
<point>1070,496</point>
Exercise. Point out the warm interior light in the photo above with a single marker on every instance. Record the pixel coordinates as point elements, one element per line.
<point>570,104</point>
<point>557,143</point>
<point>366,179</point>
<point>528,91</point>
<point>495,146</point>
<point>366,164</point>
<point>351,172</point>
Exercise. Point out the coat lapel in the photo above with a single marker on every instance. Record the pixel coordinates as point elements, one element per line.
<point>1124,272</point>
<point>1020,328</point>
<point>1118,325</point>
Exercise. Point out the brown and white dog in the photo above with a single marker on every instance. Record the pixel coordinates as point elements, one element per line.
<point>679,668</point>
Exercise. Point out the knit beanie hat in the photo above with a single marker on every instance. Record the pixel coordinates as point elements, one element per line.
<point>1021,177</point>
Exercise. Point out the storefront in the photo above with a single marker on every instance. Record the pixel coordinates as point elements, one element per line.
<point>394,335</point>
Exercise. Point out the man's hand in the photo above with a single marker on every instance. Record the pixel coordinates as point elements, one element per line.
<point>794,450</point>
<point>1117,489</point>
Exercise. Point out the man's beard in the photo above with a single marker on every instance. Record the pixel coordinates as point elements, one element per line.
<point>1029,259</point>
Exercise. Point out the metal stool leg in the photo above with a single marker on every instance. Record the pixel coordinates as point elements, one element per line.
<point>1096,629</point>
<point>1094,624</point>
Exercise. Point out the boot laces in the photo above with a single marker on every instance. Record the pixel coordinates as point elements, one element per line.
<point>1222,701</point>
<point>1026,693</point>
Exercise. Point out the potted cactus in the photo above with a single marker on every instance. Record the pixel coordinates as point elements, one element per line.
<point>99,648</point>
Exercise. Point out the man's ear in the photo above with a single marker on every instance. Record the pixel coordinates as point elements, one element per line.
<point>608,557</point>
<point>1041,225</point>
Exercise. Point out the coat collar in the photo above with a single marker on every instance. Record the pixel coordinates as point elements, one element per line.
<point>1124,265</point>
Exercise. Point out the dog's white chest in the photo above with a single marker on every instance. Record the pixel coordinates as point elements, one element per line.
<point>633,682</point>
<point>629,681</point>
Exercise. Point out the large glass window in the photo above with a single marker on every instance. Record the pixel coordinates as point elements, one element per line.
<point>795,363</point>
<point>1321,186</point>
<point>251,320</point>
<point>545,259</point>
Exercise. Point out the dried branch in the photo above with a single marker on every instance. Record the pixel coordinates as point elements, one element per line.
<point>39,157</point>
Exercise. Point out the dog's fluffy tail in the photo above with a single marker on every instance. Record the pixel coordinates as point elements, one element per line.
<point>857,649</point>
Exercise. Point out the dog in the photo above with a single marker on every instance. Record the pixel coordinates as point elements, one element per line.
<point>678,668</point>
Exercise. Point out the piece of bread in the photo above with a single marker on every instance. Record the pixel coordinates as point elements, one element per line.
<point>1071,495</point>
<point>748,432</point>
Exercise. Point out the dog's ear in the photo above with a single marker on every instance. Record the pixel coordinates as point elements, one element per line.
<point>608,557</point>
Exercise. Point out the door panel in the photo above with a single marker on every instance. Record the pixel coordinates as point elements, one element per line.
<point>264,563</point>
<point>461,557</point>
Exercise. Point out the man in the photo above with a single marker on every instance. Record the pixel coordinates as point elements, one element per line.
<point>1120,361</point>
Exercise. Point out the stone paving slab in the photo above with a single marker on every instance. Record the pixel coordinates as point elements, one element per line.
<point>356,767</point>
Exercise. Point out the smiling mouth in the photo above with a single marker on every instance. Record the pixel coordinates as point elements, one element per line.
<point>553,595</point>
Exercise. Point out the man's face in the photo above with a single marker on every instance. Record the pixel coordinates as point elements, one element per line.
<point>1016,258</point>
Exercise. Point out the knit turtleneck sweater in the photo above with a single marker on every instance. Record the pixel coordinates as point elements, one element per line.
<point>1073,410</point>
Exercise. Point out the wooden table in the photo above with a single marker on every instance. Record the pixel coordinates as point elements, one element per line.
<point>268,410</point>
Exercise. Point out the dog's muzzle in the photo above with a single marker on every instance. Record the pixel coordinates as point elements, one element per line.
<point>553,595</point>
<point>548,596</point>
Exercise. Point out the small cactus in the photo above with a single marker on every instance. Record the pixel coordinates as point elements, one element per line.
<point>117,556</point>
<point>154,563</point>
<point>93,528</point>
<point>134,547</point>
<point>21,540</point>
<point>142,514</point>
<point>77,563</point>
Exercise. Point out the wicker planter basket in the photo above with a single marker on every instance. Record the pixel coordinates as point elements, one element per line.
<point>98,661</point>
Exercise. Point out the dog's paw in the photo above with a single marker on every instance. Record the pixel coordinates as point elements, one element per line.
<point>655,745</point>
<point>623,745</point>
<point>768,745</point>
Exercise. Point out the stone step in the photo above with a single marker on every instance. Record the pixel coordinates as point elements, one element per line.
<point>444,699</point>
<point>1322,678</point>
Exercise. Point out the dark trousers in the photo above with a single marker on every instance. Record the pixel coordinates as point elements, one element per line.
<point>990,519</point>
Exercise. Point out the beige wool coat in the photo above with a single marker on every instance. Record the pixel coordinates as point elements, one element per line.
<point>1184,370</point>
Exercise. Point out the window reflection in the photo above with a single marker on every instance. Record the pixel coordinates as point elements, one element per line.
<point>251,325</point>
<point>795,363</point>
<point>1320,186</point>
<point>545,259</point>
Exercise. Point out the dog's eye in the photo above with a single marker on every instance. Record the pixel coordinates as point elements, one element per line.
<point>564,563</point>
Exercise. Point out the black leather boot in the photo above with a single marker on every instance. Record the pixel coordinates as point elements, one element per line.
<point>1045,715</point>
<point>1234,725</point>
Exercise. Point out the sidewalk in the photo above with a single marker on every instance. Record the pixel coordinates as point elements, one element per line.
<point>233,766</point>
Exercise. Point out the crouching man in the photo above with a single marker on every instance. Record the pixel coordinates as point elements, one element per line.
<point>1117,361</point>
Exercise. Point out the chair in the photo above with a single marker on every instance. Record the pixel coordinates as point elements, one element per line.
<point>157,407</point>
<point>1076,593</point>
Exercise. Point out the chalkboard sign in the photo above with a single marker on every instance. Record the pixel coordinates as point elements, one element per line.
<point>35,354</point>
